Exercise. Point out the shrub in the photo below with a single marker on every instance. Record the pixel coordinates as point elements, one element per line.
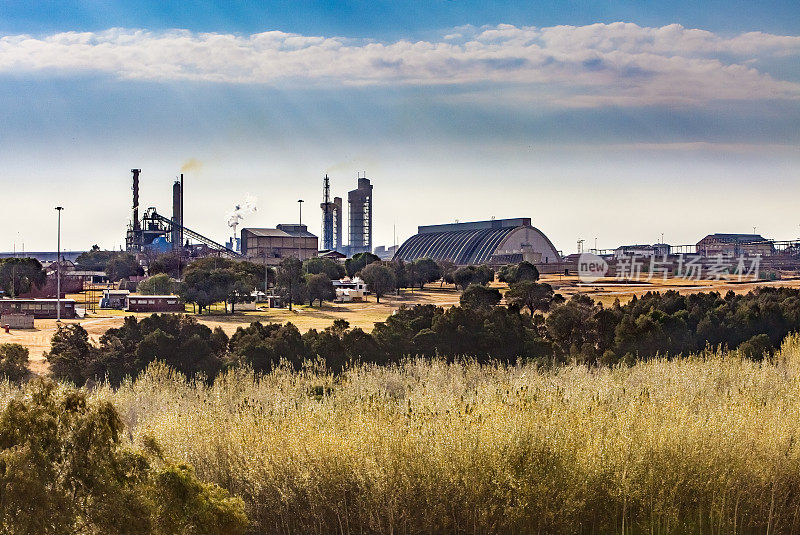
<point>13,362</point>
<point>63,469</point>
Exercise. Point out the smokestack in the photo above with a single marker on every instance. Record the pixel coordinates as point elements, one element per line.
<point>136,172</point>
<point>177,216</point>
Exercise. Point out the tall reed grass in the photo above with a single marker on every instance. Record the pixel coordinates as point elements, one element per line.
<point>707,444</point>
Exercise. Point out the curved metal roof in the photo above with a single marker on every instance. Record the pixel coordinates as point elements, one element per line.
<point>462,247</point>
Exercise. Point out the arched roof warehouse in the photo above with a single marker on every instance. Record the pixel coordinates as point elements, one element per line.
<point>481,242</point>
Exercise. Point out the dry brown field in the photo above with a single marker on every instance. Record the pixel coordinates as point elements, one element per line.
<point>366,314</point>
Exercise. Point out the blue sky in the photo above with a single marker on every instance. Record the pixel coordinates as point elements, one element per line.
<point>683,120</point>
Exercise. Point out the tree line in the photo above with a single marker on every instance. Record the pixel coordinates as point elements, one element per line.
<point>574,330</point>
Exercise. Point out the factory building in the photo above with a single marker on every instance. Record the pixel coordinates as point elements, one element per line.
<point>271,245</point>
<point>735,245</point>
<point>360,221</point>
<point>495,242</point>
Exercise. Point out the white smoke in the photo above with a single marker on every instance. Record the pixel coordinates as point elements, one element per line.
<point>234,217</point>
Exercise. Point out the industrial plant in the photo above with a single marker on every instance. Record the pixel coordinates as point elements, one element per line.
<point>359,204</point>
<point>494,242</point>
<point>157,233</point>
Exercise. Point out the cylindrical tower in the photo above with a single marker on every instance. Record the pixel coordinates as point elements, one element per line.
<point>177,215</point>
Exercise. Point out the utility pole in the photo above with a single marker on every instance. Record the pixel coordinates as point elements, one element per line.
<point>58,268</point>
<point>266,274</point>
<point>299,241</point>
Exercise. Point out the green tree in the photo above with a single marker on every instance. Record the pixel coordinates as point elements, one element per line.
<point>290,282</point>
<point>63,469</point>
<point>213,280</point>
<point>170,263</point>
<point>263,346</point>
<point>379,278</point>
<point>467,275</point>
<point>13,362</point>
<point>95,259</point>
<point>160,284</point>
<point>70,354</point>
<point>524,271</point>
<point>400,270</point>
<point>359,262</point>
<point>21,275</point>
<point>531,295</point>
<point>425,271</point>
<point>477,296</point>
<point>331,268</point>
<point>123,266</point>
<point>447,269</point>
<point>320,288</point>
<point>200,289</point>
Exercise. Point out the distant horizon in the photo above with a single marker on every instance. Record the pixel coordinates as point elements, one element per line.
<point>618,121</point>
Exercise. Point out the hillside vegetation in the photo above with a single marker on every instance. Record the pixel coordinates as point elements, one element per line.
<point>704,444</point>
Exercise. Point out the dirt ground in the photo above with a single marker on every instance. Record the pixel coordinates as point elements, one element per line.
<point>366,314</point>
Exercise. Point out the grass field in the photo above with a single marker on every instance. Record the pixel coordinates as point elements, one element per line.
<point>366,314</point>
<point>709,444</point>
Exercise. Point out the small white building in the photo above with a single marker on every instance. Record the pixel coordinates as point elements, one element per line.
<point>348,290</point>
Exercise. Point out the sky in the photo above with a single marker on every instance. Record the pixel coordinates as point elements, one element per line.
<point>611,122</point>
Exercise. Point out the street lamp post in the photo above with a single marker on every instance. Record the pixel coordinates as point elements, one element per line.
<point>58,267</point>
<point>300,203</point>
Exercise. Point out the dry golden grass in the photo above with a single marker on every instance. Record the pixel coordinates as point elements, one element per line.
<point>708,444</point>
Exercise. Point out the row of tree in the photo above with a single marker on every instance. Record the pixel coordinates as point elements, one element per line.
<point>212,280</point>
<point>577,329</point>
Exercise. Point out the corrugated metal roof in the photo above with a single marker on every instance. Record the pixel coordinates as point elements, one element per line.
<point>462,247</point>
<point>267,232</point>
<point>283,231</point>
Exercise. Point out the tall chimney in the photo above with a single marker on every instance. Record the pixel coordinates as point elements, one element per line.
<point>136,172</point>
<point>182,214</point>
<point>177,216</point>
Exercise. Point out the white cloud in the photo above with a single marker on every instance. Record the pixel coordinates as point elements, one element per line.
<point>600,64</point>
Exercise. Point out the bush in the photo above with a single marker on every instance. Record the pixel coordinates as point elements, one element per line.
<point>13,362</point>
<point>63,469</point>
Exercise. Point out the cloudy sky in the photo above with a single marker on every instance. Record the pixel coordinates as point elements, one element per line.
<point>617,121</point>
